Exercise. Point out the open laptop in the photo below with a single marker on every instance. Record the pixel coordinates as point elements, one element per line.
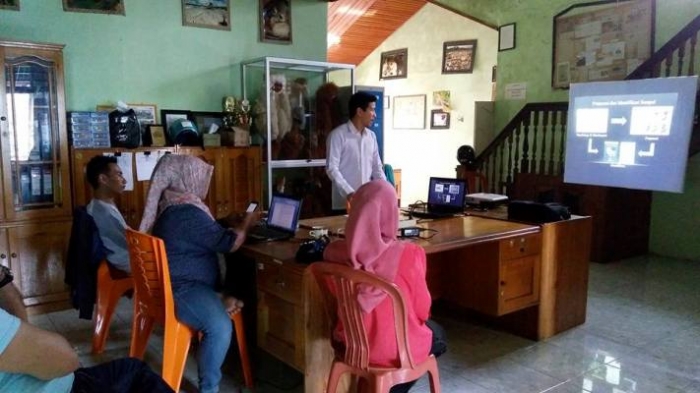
<point>281,222</point>
<point>445,198</point>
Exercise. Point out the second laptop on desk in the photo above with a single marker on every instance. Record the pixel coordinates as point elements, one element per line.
<point>281,222</point>
<point>445,198</point>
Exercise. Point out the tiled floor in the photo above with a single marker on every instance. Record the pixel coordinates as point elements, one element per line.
<point>642,335</point>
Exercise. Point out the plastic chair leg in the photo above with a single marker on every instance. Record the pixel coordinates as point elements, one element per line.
<point>103,316</point>
<point>176,345</point>
<point>434,379</point>
<point>141,328</point>
<point>243,349</point>
<point>337,371</point>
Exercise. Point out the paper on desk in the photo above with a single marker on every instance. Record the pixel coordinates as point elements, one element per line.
<point>124,161</point>
<point>145,163</point>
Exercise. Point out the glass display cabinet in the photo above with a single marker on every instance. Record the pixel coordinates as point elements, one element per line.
<point>294,106</point>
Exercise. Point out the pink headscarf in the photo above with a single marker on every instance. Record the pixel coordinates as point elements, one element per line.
<point>176,180</point>
<point>370,242</point>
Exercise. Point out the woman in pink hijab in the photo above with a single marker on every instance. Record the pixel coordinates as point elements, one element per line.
<point>175,212</point>
<point>371,245</point>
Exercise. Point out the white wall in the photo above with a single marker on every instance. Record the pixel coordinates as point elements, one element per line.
<point>424,153</point>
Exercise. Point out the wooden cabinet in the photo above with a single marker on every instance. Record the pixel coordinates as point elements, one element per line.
<point>235,182</point>
<point>35,208</point>
<point>499,277</point>
<point>280,310</point>
<point>397,184</point>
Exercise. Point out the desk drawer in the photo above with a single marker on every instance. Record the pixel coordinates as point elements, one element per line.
<point>520,246</point>
<point>282,282</point>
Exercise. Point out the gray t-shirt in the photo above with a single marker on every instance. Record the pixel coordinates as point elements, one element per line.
<point>112,227</point>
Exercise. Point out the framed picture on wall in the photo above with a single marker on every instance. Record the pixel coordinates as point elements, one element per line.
<point>409,112</point>
<point>100,7</point>
<point>275,21</point>
<point>458,57</point>
<point>394,64</point>
<point>439,119</point>
<point>506,37</point>
<point>9,5</point>
<point>212,14</point>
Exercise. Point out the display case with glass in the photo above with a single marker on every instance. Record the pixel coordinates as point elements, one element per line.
<point>32,148</point>
<point>295,105</point>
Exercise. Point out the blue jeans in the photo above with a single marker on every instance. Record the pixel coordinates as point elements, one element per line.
<point>199,307</point>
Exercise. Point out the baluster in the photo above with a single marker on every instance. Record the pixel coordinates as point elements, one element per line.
<point>691,64</point>
<point>535,126</point>
<point>545,128</point>
<point>668,63</point>
<point>509,177</point>
<point>493,169</point>
<point>516,158</point>
<point>563,118</point>
<point>681,54</point>
<point>552,142</point>
<point>525,165</point>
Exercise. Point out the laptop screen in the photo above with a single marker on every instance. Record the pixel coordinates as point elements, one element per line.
<point>446,194</point>
<point>284,213</point>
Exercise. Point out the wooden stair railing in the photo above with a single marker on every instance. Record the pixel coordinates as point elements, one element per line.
<point>534,140</point>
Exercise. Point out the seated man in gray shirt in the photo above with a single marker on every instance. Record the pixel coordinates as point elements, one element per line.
<point>107,181</point>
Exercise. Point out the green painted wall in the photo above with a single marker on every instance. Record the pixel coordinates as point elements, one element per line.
<point>675,217</point>
<point>147,56</point>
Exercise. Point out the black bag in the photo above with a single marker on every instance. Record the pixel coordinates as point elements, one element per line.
<point>539,213</point>
<point>124,129</point>
<point>311,250</point>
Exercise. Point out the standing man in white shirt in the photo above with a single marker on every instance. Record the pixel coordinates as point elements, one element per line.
<point>352,158</point>
<point>107,181</point>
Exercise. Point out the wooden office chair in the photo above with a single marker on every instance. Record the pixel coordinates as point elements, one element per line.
<point>111,285</point>
<point>340,286</point>
<point>153,302</point>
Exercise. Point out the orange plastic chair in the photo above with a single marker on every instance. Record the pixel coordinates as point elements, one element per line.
<point>111,285</point>
<point>340,286</point>
<point>153,302</point>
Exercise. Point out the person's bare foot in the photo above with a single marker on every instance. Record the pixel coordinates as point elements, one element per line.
<point>232,305</point>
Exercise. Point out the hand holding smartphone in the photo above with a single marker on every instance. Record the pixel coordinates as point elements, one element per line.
<point>251,207</point>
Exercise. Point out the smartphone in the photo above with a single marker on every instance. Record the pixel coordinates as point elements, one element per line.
<point>251,207</point>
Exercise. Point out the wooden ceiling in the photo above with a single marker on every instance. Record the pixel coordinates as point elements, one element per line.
<point>364,24</point>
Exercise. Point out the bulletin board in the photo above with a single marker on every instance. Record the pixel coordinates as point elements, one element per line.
<point>603,40</point>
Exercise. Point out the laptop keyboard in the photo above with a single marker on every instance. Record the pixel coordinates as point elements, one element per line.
<point>264,232</point>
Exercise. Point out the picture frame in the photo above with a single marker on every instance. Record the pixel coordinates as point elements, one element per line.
<point>12,5</point>
<point>168,116</point>
<point>146,113</point>
<point>601,40</point>
<point>157,135</point>
<point>114,7</point>
<point>506,37</point>
<point>275,19</point>
<point>393,64</point>
<point>439,119</point>
<point>409,112</point>
<point>387,102</point>
<point>204,120</point>
<point>458,57</point>
<point>215,14</point>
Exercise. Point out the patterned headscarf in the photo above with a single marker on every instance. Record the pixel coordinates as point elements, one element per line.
<point>370,242</point>
<point>176,180</point>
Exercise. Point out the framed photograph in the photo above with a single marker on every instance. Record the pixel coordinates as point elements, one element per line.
<point>9,5</point>
<point>409,112</point>
<point>157,135</point>
<point>506,37</point>
<point>387,102</point>
<point>458,57</point>
<point>99,7</point>
<point>394,64</point>
<point>212,14</point>
<point>601,40</point>
<point>205,121</point>
<point>168,116</point>
<point>275,21</point>
<point>439,119</point>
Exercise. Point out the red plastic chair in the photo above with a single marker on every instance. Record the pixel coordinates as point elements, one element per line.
<point>340,286</point>
<point>153,302</point>
<point>111,285</point>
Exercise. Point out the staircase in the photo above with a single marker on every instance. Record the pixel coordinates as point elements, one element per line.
<point>526,160</point>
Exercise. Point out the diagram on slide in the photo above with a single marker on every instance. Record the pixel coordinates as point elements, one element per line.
<point>623,130</point>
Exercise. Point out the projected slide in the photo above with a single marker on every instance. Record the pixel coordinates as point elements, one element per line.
<point>631,134</point>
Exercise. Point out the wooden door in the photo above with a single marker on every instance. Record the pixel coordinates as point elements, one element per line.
<point>242,182</point>
<point>5,249</point>
<point>38,256</point>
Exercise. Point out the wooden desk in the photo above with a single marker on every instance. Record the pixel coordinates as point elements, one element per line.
<point>534,277</point>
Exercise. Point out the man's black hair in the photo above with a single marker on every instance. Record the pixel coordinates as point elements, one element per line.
<point>360,100</point>
<point>98,165</point>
